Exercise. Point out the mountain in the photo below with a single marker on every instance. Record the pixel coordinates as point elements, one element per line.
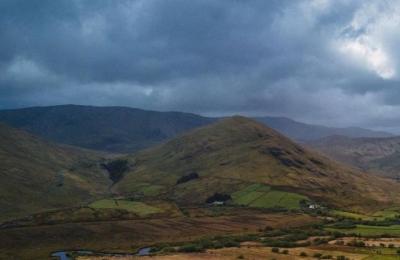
<point>307,132</point>
<point>113,129</point>
<point>223,158</point>
<point>36,175</point>
<point>126,130</point>
<point>378,155</point>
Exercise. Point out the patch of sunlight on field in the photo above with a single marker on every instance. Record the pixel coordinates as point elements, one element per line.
<point>139,208</point>
<point>365,230</point>
<point>379,215</point>
<point>262,196</point>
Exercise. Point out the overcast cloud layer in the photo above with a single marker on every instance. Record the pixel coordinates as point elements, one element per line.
<point>333,62</point>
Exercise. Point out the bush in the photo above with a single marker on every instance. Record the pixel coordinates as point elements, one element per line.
<point>339,242</point>
<point>285,252</point>
<point>317,255</point>
<point>116,169</point>
<point>275,250</point>
<point>188,177</point>
<point>218,197</point>
<point>191,248</point>
<point>303,254</point>
<point>356,243</point>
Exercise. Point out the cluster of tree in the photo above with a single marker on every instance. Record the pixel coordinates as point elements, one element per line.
<point>188,177</point>
<point>116,169</point>
<point>218,197</point>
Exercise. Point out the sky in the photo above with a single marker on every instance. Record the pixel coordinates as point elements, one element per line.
<point>331,62</point>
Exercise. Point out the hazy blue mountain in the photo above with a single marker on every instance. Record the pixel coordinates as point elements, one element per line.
<point>114,129</point>
<point>125,130</point>
<point>307,132</point>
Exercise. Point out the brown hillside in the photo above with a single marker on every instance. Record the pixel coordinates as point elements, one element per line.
<point>238,151</point>
<point>37,175</point>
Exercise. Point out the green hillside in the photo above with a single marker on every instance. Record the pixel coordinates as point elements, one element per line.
<point>37,175</point>
<point>232,154</point>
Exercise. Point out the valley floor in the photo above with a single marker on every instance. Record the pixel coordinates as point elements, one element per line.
<point>37,242</point>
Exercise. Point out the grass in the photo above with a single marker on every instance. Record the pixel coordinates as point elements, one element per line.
<point>365,230</point>
<point>379,215</point>
<point>129,235</point>
<point>139,208</point>
<point>262,196</point>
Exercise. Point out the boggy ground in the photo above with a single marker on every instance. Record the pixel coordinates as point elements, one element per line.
<point>243,252</point>
<point>37,242</point>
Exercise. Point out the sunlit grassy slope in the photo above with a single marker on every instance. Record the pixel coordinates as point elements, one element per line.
<point>139,208</point>
<point>262,196</point>
<point>236,152</point>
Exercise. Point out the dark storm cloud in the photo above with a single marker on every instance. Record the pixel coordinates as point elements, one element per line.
<point>325,61</point>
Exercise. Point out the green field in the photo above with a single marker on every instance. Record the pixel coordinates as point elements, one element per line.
<point>262,196</point>
<point>136,207</point>
<point>379,215</point>
<point>365,230</point>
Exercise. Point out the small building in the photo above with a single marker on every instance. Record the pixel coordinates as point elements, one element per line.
<point>218,203</point>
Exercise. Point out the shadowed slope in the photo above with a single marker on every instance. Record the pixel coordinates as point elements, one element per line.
<point>114,129</point>
<point>37,175</point>
<point>377,155</point>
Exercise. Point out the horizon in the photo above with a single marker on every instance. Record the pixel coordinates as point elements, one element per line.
<point>334,63</point>
<point>210,116</point>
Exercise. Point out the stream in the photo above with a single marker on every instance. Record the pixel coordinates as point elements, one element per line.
<point>66,255</point>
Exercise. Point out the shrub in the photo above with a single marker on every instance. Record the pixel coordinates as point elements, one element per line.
<point>303,254</point>
<point>285,252</point>
<point>191,248</point>
<point>317,255</point>
<point>275,250</point>
<point>116,169</point>
<point>188,177</point>
<point>356,243</point>
<point>218,197</point>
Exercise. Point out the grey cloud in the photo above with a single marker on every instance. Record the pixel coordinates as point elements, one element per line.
<point>290,58</point>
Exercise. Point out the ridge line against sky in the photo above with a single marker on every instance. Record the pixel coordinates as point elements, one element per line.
<point>329,62</point>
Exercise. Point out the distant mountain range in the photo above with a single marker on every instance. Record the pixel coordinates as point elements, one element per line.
<point>125,130</point>
<point>307,132</point>
<point>113,129</point>
<point>377,155</point>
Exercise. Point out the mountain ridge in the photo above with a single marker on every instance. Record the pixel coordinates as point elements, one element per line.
<point>125,130</point>
<point>376,155</point>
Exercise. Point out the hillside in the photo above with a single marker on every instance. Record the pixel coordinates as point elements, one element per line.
<point>37,175</point>
<point>115,129</point>
<point>127,130</point>
<point>234,153</point>
<point>378,155</point>
<point>307,132</point>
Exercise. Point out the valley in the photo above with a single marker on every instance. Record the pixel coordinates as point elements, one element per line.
<point>233,189</point>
